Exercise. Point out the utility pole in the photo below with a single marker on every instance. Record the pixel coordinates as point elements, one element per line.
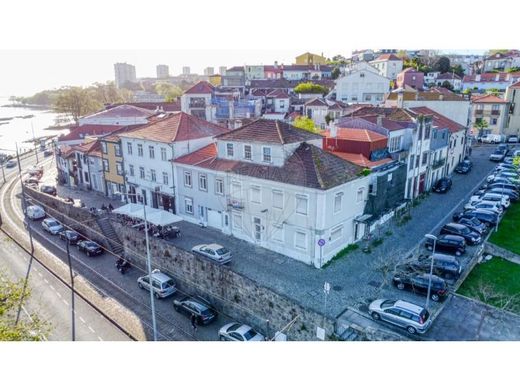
<point>34,142</point>
<point>149,266</point>
<point>3,172</point>
<point>72,291</point>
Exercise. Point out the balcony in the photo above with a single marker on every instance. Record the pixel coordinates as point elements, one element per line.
<point>495,112</point>
<point>197,104</point>
<point>479,112</point>
<point>439,163</point>
<point>235,203</point>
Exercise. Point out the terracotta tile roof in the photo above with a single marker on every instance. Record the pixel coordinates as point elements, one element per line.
<point>269,131</point>
<point>175,128</point>
<point>123,111</point>
<point>433,94</point>
<point>65,150</point>
<point>361,160</point>
<point>278,94</point>
<point>235,69</point>
<point>448,76</point>
<point>410,70</point>
<point>488,77</point>
<point>489,98</point>
<point>338,106</point>
<point>152,106</point>
<point>309,166</point>
<point>389,124</point>
<point>515,85</point>
<point>80,132</point>
<point>316,102</point>
<point>354,134</point>
<point>439,120</point>
<point>200,88</point>
<point>388,57</point>
<point>86,147</point>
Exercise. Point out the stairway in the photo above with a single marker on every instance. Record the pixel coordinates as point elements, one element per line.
<point>114,244</point>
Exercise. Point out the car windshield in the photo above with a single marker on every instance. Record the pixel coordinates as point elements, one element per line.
<point>206,313</point>
<point>222,251</point>
<point>53,223</point>
<point>250,334</point>
<point>387,303</point>
<point>169,283</point>
<point>91,244</point>
<point>465,230</point>
<point>233,327</point>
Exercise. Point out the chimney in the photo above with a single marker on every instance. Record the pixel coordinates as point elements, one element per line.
<point>276,64</point>
<point>497,77</point>
<point>400,98</point>
<point>477,77</point>
<point>333,129</point>
<point>379,120</point>
<point>441,96</point>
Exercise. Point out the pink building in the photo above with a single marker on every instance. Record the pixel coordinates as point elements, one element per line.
<point>411,77</point>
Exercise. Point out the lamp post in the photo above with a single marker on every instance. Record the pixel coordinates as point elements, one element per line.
<point>434,238</point>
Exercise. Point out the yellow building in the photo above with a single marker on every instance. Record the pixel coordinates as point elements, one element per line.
<point>113,168</point>
<point>310,59</point>
<point>215,80</point>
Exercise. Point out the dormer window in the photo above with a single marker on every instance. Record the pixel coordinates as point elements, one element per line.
<point>229,150</point>
<point>266,154</point>
<point>247,152</point>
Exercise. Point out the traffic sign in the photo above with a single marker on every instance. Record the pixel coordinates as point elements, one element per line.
<point>321,242</point>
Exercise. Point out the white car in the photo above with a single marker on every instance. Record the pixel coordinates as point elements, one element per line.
<point>238,332</point>
<point>502,199</point>
<point>213,251</point>
<point>162,285</point>
<point>485,205</point>
<point>35,212</point>
<point>52,226</point>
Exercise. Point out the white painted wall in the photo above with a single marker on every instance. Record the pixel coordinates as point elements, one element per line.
<point>362,87</point>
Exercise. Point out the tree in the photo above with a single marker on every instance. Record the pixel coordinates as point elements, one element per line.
<point>169,91</point>
<point>329,118</point>
<point>447,84</point>
<point>335,73</point>
<point>481,124</point>
<point>76,102</point>
<point>493,91</point>
<point>458,70</point>
<point>109,93</point>
<point>511,70</point>
<point>311,88</point>
<point>25,330</point>
<point>443,65</point>
<point>304,123</point>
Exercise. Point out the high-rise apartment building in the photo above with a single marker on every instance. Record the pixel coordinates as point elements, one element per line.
<point>209,71</point>
<point>163,71</point>
<point>186,70</point>
<point>124,72</point>
<point>222,70</point>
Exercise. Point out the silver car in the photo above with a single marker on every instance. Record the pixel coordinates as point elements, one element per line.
<point>238,332</point>
<point>162,285</point>
<point>413,318</point>
<point>52,226</point>
<point>214,251</point>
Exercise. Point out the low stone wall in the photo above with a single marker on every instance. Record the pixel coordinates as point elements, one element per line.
<point>498,251</point>
<point>234,294</point>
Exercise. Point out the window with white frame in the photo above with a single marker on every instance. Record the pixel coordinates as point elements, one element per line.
<point>140,150</point>
<point>163,154</point>
<point>129,148</point>
<point>338,198</point>
<point>153,175</point>
<point>278,233</point>
<point>105,165</point>
<point>247,152</point>
<point>236,190</point>
<point>219,186</point>
<point>117,150</point>
<point>256,194</point>
<point>237,221</point>
<point>229,150</point>
<point>301,204</point>
<point>151,151</point>
<point>187,179</point>
<point>300,240</point>
<point>359,196</point>
<point>266,154</point>
<point>131,170</point>
<point>165,178</point>
<point>277,199</point>
<point>104,147</point>
<point>119,167</point>
<point>203,182</point>
<point>188,205</point>
<point>336,233</point>
<point>141,172</point>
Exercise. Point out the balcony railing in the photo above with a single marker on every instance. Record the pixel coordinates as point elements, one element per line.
<point>197,104</point>
<point>438,163</point>
<point>495,112</point>
<point>479,112</point>
<point>235,203</point>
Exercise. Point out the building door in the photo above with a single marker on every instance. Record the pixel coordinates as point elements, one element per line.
<point>131,194</point>
<point>215,219</point>
<point>166,202</point>
<point>257,228</point>
<point>421,183</point>
<point>145,201</point>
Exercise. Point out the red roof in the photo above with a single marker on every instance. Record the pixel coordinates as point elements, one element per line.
<point>515,85</point>
<point>489,98</point>
<point>488,77</point>
<point>201,87</point>
<point>123,111</point>
<point>438,120</point>
<point>278,94</point>
<point>351,134</point>
<point>316,102</point>
<point>80,132</point>
<point>448,76</point>
<point>152,106</point>
<point>388,57</point>
<point>359,159</point>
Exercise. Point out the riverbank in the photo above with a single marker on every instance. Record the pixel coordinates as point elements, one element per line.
<point>38,107</point>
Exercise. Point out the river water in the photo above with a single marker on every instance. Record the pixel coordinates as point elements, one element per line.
<point>19,130</point>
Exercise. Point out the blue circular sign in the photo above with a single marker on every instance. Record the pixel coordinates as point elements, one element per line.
<point>321,242</point>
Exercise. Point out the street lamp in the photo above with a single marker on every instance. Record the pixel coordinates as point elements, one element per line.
<point>434,238</point>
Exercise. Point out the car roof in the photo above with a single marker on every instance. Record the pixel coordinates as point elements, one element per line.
<point>456,225</point>
<point>36,207</point>
<point>214,246</point>
<point>451,237</point>
<point>408,306</point>
<point>160,277</point>
<point>47,220</point>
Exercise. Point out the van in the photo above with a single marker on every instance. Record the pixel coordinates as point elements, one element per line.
<point>162,285</point>
<point>492,139</point>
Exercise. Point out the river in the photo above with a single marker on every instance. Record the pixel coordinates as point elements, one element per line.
<point>19,130</point>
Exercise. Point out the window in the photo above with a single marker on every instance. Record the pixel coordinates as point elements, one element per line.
<point>494,121</point>
<point>247,152</point>
<point>119,167</point>
<point>229,150</point>
<point>163,154</point>
<point>266,154</point>
<point>495,107</point>
<point>152,174</point>
<point>368,97</point>
<point>411,162</point>
<point>427,131</point>
<point>424,158</point>
<point>104,147</point>
<point>117,150</point>
<point>417,160</point>
<point>237,221</point>
<point>336,233</point>
<point>187,179</point>
<point>278,233</point>
<point>131,169</point>
<point>219,186</point>
<point>188,205</point>
<point>141,172</point>
<point>140,150</point>
<point>359,196</point>
<point>151,151</point>
<point>105,165</point>
<point>301,204</point>
<point>203,182</point>
<point>277,199</point>
<point>165,178</point>
<point>337,202</point>
<point>256,194</point>
<point>300,240</point>
<point>129,147</point>
<point>236,190</point>
<point>394,144</point>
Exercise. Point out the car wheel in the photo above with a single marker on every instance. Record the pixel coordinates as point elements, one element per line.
<point>156,295</point>
<point>376,316</point>
<point>88,254</point>
<point>140,286</point>
<point>176,308</point>
<point>222,338</point>
<point>458,253</point>
<point>400,286</point>
<point>435,298</point>
<point>411,330</point>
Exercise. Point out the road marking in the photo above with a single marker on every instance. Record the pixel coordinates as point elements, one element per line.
<point>99,338</point>
<point>52,287</point>
<point>65,302</point>
<point>39,273</point>
<point>82,320</point>
<point>92,330</point>
<point>45,280</point>
<point>58,294</point>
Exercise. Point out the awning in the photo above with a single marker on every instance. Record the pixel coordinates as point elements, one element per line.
<point>162,218</point>
<point>154,216</point>
<point>128,209</point>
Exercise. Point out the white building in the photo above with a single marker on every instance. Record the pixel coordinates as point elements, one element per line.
<point>197,101</point>
<point>273,185</point>
<point>362,87</point>
<point>163,71</point>
<point>209,71</point>
<point>388,65</point>
<point>124,72</point>
<point>452,78</point>
<point>186,70</point>
<point>149,150</point>
<point>512,125</point>
<point>502,61</point>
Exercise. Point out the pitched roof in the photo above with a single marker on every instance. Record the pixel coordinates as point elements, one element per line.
<point>123,111</point>
<point>489,98</point>
<point>176,127</point>
<point>515,85</point>
<point>388,57</point>
<point>359,159</point>
<point>87,147</point>
<point>448,76</point>
<point>433,94</point>
<point>488,77</point>
<point>80,132</point>
<point>200,88</point>
<point>316,102</point>
<point>355,134</point>
<point>269,131</point>
<point>278,94</point>
<point>438,120</point>
<point>309,166</point>
<point>152,106</point>
<point>235,69</point>
<point>410,70</point>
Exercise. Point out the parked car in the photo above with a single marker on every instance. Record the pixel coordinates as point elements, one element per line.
<point>464,167</point>
<point>204,313</point>
<point>448,243</point>
<point>238,332</point>
<point>474,224</point>
<point>512,139</point>
<point>413,318</point>
<point>512,187</point>
<point>48,189</point>
<point>457,229</point>
<point>52,226</point>
<point>497,155</point>
<point>488,218</point>
<point>418,284</point>
<point>445,266</point>
<point>71,236</point>
<point>513,195</point>
<point>442,185</point>
<point>90,248</point>
<point>486,205</point>
<point>11,164</point>
<point>503,200</point>
<point>162,285</point>
<point>35,212</point>
<point>27,180</point>
<point>47,153</point>
<point>213,251</point>
<point>491,139</point>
